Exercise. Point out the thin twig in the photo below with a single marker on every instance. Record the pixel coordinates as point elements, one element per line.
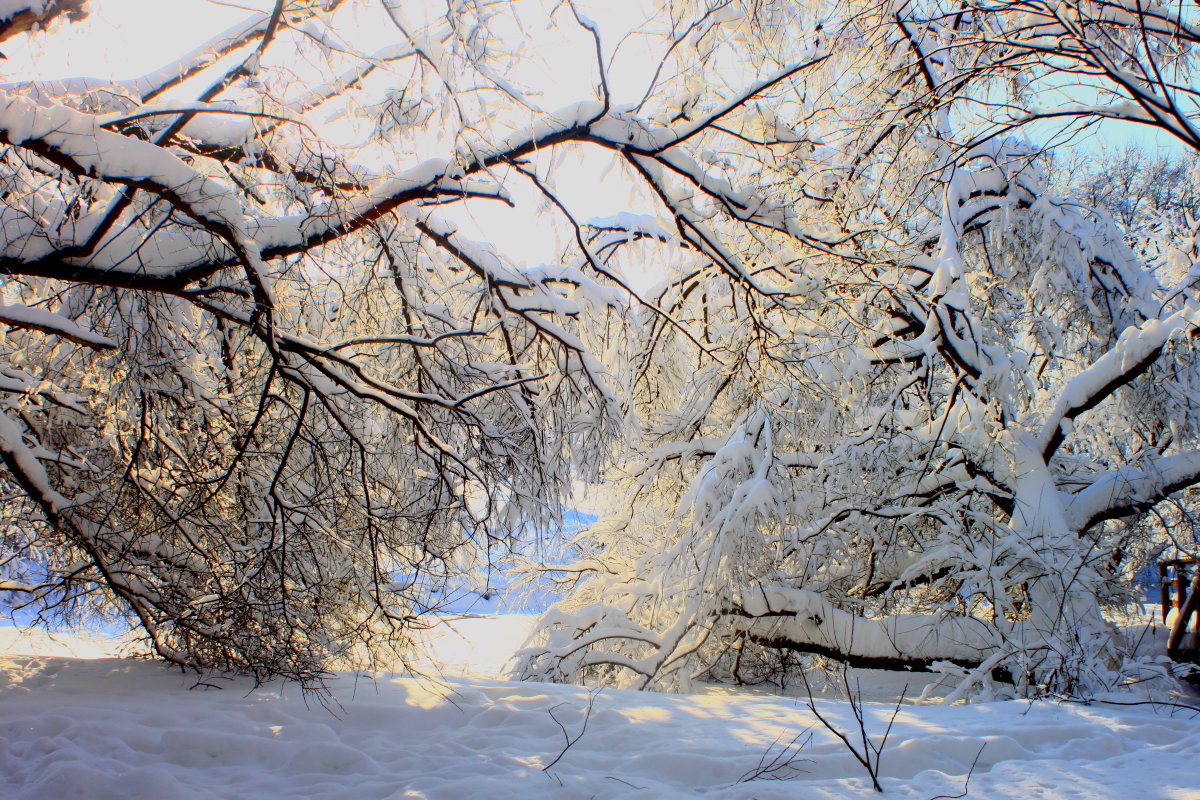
<point>570,742</point>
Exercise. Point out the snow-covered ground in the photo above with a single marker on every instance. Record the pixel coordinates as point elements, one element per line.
<point>78,723</point>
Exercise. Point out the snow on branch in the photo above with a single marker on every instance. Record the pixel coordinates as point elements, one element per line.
<point>21,16</point>
<point>20,316</point>
<point>797,619</point>
<point>1122,492</point>
<point>77,142</point>
<point>1135,350</point>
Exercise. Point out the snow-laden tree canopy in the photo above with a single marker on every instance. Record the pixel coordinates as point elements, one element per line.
<point>931,441</point>
<point>895,401</point>
<point>262,396</point>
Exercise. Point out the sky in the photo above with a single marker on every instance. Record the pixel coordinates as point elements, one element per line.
<point>122,39</point>
<point>128,38</point>
<point>119,39</point>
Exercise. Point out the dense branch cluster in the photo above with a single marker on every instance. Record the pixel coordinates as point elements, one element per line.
<point>897,400</point>
<point>930,444</point>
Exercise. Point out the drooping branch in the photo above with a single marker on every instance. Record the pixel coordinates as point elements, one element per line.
<point>20,316</point>
<point>1124,492</point>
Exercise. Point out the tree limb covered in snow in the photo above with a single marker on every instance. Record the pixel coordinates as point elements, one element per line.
<point>947,390</point>
<point>22,16</point>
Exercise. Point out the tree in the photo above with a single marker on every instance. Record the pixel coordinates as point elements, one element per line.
<point>927,440</point>
<point>1151,196</point>
<point>264,396</point>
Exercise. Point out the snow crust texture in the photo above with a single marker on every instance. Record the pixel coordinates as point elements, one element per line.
<point>114,728</point>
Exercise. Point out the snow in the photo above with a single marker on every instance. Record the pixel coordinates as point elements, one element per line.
<point>74,135</point>
<point>22,316</point>
<point>806,616</point>
<point>66,135</point>
<point>18,454</point>
<point>78,722</point>
<point>643,224</point>
<point>10,8</point>
<point>1133,348</point>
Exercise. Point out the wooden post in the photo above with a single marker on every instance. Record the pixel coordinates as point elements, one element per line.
<point>1189,607</point>
<point>1164,592</point>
